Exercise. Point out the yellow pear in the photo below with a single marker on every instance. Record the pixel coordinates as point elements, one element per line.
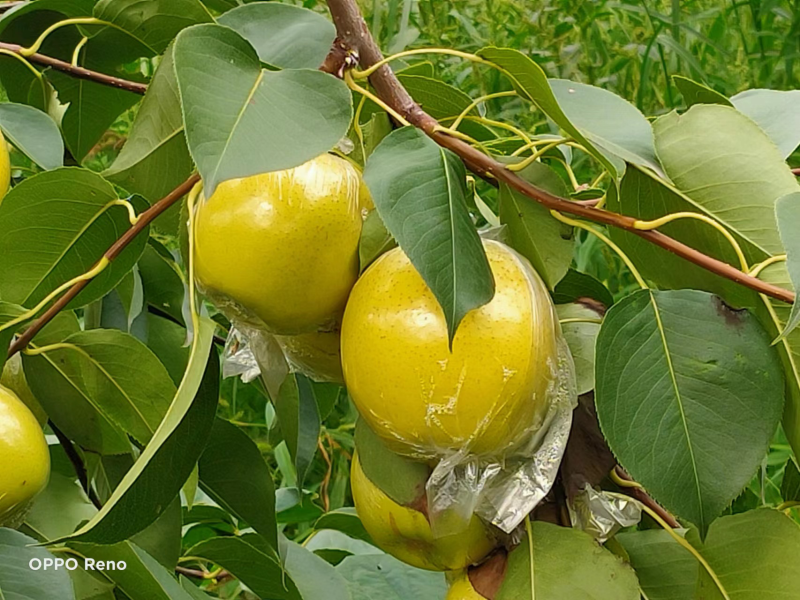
<point>462,589</point>
<point>24,456</point>
<point>425,400</point>
<point>281,248</point>
<point>406,534</point>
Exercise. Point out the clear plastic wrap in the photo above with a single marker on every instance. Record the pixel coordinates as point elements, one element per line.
<point>602,515</point>
<point>494,413</point>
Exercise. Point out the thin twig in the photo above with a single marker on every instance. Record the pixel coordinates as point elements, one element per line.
<point>353,32</point>
<point>78,465</point>
<point>645,499</point>
<point>78,72</point>
<point>116,248</point>
<point>796,171</point>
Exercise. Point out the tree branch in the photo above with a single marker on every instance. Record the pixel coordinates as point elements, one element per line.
<point>645,499</point>
<point>353,32</point>
<point>116,248</point>
<point>79,72</point>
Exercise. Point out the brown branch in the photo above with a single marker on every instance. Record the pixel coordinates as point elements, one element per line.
<point>796,171</point>
<point>353,32</point>
<point>77,464</point>
<point>116,248</point>
<point>79,72</point>
<point>645,499</point>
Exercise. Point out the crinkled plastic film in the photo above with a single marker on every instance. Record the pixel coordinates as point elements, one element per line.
<point>602,515</point>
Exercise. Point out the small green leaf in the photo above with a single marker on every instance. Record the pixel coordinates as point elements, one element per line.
<point>401,479</point>
<point>256,566</point>
<point>790,489</point>
<point>372,576</point>
<point>776,112</point>
<point>787,212</point>
<point>576,285</point>
<point>375,240</point>
<point>155,158</point>
<point>234,474</point>
<point>265,120</point>
<point>531,82</point>
<point>611,123</point>
<point>581,337</point>
<point>34,133</point>
<point>565,563</point>
<point>19,580</point>
<point>749,554</point>
<point>532,231</point>
<point>742,173</point>
<point>167,461</point>
<point>162,281</point>
<point>284,36</point>
<point>102,375</point>
<point>57,225</point>
<point>687,389</point>
<point>346,521</point>
<point>313,577</point>
<point>698,93</point>
<point>156,25</point>
<point>666,570</point>
<point>298,416</point>
<point>420,191</point>
<point>143,578</point>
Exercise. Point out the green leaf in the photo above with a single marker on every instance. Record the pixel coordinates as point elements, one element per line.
<point>298,416</point>
<point>581,337</point>
<point>610,122</point>
<point>532,231</point>
<point>257,567</point>
<point>57,225</point>
<point>167,461</point>
<point>382,576</point>
<point>234,474</point>
<point>790,489</point>
<point>63,325</point>
<point>565,563</point>
<point>375,240</point>
<point>401,479</point>
<point>155,158</point>
<point>576,285</point>
<point>19,581</point>
<point>742,173</point>
<point>531,82</point>
<point>346,521</point>
<point>265,121</point>
<point>775,321</point>
<point>646,197</point>
<point>749,554</point>
<point>444,103</point>
<point>284,36</point>
<point>162,281</point>
<point>34,133</point>
<point>93,107</point>
<point>158,23</point>
<point>787,212</point>
<point>666,570</point>
<point>103,376</point>
<point>166,340</point>
<point>698,93</point>
<point>143,578</point>
<point>687,389</point>
<point>314,577</point>
<point>420,191</point>
<point>776,112</point>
